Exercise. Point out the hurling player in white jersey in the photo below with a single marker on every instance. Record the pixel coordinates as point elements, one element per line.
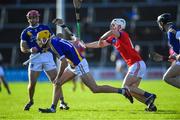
<point>172,75</point>
<point>43,62</point>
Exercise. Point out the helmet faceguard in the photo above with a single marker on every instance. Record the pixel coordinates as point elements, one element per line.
<point>164,19</point>
<point>118,24</point>
<point>43,37</point>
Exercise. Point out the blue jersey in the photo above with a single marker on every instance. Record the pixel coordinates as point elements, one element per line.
<point>173,42</point>
<point>63,48</point>
<point>29,35</point>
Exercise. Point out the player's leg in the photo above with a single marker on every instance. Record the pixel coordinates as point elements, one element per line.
<point>5,84</point>
<point>51,72</point>
<point>33,73</point>
<point>91,84</point>
<point>74,80</point>
<point>52,75</point>
<point>0,85</point>
<point>172,76</point>
<point>82,84</point>
<point>140,98</point>
<point>66,76</point>
<point>132,82</point>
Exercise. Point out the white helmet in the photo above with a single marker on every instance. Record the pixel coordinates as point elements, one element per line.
<point>119,22</point>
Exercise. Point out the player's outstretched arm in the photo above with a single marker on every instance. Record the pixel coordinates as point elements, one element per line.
<point>92,45</point>
<point>60,22</point>
<point>97,44</point>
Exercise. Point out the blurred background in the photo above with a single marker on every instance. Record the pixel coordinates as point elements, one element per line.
<point>96,16</point>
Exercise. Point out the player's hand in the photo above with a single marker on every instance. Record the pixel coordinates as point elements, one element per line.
<point>82,44</point>
<point>78,42</point>
<point>172,58</point>
<point>178,57</point>
<point>58,21</point>
<point>33,50</point>
<point>75,39</point>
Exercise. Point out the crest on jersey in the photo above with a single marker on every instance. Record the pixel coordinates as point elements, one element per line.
<point>29,33</point>
<point>114,40</point>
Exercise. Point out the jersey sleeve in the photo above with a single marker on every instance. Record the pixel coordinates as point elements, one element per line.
<point>50,30</point>
<point>55,48</point>
<point>109,39</point>
<point>24,36</point>
<point>178,35</point>
<point>172,41</point>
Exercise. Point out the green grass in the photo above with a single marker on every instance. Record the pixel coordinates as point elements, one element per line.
<point>85,105</point>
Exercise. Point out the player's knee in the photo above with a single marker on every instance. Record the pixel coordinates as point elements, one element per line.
<point>31,85</point>
<point>95,89</point>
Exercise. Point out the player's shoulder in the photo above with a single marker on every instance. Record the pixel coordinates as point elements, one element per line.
<point>172,29</point>
<point>43,26</point>
<point>124,33</point>
<point>25,30</point>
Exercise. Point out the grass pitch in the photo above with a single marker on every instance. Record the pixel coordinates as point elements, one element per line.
<point>85,105</point>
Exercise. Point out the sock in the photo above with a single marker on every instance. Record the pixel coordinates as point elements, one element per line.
<point>62,99</point>
<point>53,106</point>
<point>146,94</point>
<point>121,91</point>
<point>31,102</point>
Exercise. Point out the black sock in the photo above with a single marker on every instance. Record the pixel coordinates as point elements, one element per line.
<point>62,99</point>
<point>146,94</point>
<point>121,91</point>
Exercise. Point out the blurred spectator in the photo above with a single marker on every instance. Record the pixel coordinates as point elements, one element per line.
<point>2,79</point>
<point>88,30</point>
<point>121,66</point>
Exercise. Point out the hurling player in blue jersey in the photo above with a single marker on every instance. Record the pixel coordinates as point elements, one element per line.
<point>172,75</point>
<point>43,62</point>
<point>66,52</point>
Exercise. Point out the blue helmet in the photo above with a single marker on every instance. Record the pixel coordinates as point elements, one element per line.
<point>164,18</point>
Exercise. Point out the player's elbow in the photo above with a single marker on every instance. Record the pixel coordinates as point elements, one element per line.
<point>24,50</point>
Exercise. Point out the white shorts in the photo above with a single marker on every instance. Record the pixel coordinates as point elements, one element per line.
<point>42,62</point>
<point>177,62</point>
<point>1,71</point>
<point>137,69</point>
<point>81,68</point>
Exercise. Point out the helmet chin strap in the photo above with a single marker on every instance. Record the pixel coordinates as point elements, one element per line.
<point>46,44</point>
